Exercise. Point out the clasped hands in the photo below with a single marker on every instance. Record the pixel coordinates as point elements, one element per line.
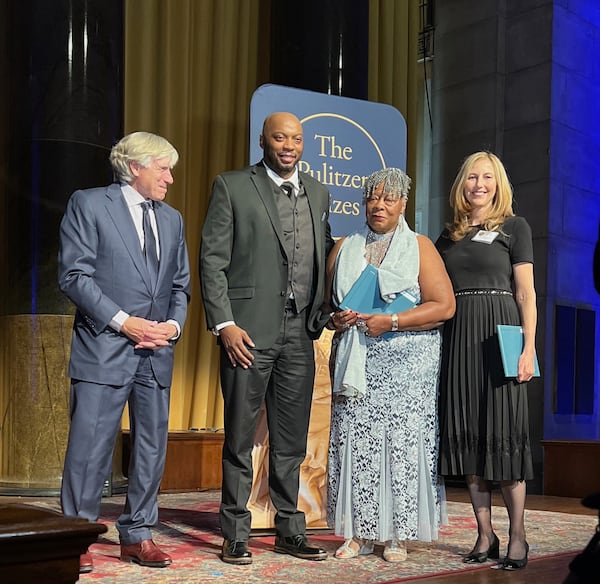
<point>148,334</point>
<point>372,325</point>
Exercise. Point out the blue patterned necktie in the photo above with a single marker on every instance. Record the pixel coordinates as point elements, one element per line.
<point>150,251</point>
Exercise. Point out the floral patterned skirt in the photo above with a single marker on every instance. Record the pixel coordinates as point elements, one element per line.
<point>383,457</point>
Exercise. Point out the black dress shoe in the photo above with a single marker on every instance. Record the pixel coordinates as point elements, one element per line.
<point>510,564</point>
<point>236,552</point>
<point>492,553</point>
<point>297,546</point>
<point>592,501</point>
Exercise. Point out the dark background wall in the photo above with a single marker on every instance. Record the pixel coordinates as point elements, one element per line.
<point>519,78</point>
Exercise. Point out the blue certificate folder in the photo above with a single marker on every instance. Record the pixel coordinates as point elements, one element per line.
<point>510,338</point>
<point>365,297</point>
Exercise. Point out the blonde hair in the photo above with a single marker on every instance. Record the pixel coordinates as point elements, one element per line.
<point>501,204</point>
<point>142,148</point>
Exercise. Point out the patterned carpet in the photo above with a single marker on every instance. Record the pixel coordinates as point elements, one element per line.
<point>189,532</point>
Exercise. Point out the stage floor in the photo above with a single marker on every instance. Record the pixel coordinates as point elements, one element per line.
<point>558,528</point>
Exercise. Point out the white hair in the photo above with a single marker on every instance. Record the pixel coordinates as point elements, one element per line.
<point>140,147</point>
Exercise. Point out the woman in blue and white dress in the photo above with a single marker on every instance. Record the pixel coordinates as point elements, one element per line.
<point>383,481</point>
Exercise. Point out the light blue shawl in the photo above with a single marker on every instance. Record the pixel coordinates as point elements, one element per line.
<point>399,271</point>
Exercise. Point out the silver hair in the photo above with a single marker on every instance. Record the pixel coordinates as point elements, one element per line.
<point>396,183</point>
<point>142,148</point>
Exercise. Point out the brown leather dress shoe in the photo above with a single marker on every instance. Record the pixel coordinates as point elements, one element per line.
<point>145,553</point>
<point>86,564</point>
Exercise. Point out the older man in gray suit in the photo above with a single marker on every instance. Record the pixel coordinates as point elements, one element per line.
<point>264,244</point>
<point>123,262</point>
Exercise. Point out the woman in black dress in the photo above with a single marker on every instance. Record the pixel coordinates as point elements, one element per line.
<point>484,426</point>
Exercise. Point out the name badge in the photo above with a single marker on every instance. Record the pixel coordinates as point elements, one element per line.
<point>485,236</point>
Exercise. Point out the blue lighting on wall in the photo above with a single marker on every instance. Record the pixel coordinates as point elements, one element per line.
<point>574,224</point>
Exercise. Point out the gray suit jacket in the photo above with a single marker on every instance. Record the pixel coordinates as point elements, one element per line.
<point>101,269</point>
<point>243,265</point>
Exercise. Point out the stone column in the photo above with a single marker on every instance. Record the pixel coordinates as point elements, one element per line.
<point>61,114</point>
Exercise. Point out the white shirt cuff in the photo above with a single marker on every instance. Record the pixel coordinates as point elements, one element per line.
<point>222,325</point>
<point>118,320</point>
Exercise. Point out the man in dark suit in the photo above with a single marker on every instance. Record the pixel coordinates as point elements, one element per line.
<point>123,262</point>
<point>264,246</point>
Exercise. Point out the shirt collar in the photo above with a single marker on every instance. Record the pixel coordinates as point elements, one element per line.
<point>132,197</point>
<point>294,179</point>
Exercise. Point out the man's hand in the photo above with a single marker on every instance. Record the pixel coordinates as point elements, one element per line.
<point>148,334</point>
<point>235,341</point>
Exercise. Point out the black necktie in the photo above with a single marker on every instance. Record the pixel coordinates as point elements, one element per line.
<point>287,188</point>
<point>149,242</point>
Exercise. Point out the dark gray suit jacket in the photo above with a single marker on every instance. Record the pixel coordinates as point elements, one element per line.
<point>102,270</point>
<point>243,265</point>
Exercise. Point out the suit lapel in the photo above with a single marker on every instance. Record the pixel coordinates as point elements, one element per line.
<point>121,217</point>
<point>264,187</point>
<point>313,205</point>
<point>164,236</point>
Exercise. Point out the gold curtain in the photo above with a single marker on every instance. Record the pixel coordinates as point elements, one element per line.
<point>191,67</point>
<point>394,72</point>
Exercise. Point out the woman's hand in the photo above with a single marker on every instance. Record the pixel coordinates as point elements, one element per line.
<point>374,325</point>
<point>525,298</point>
<point>343,320</point>
<point>526,368</point>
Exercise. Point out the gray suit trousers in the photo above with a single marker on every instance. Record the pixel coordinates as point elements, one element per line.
<point>96,412</point>
<point>282,377</point>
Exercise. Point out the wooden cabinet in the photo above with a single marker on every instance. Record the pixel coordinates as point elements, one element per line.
<point>40,545</point>
<point>193,460</point>
<point>571,468</point>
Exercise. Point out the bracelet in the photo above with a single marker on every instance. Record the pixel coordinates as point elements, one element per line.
<point>394,323</point>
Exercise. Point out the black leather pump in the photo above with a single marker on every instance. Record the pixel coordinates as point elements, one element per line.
<point>492,553</point>
<point>510,564</point>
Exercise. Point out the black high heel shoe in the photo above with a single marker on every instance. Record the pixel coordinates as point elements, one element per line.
<point>492,553</point>
<point>510,564</point>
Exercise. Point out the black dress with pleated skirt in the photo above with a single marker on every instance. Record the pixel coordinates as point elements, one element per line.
<point>483,416</point>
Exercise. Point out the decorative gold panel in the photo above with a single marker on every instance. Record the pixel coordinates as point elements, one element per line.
<point>313,474</point>
<point>34,400</point>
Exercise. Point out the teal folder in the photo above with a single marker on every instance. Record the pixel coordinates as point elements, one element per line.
<point>510,338</point>
<point>365,297</point>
